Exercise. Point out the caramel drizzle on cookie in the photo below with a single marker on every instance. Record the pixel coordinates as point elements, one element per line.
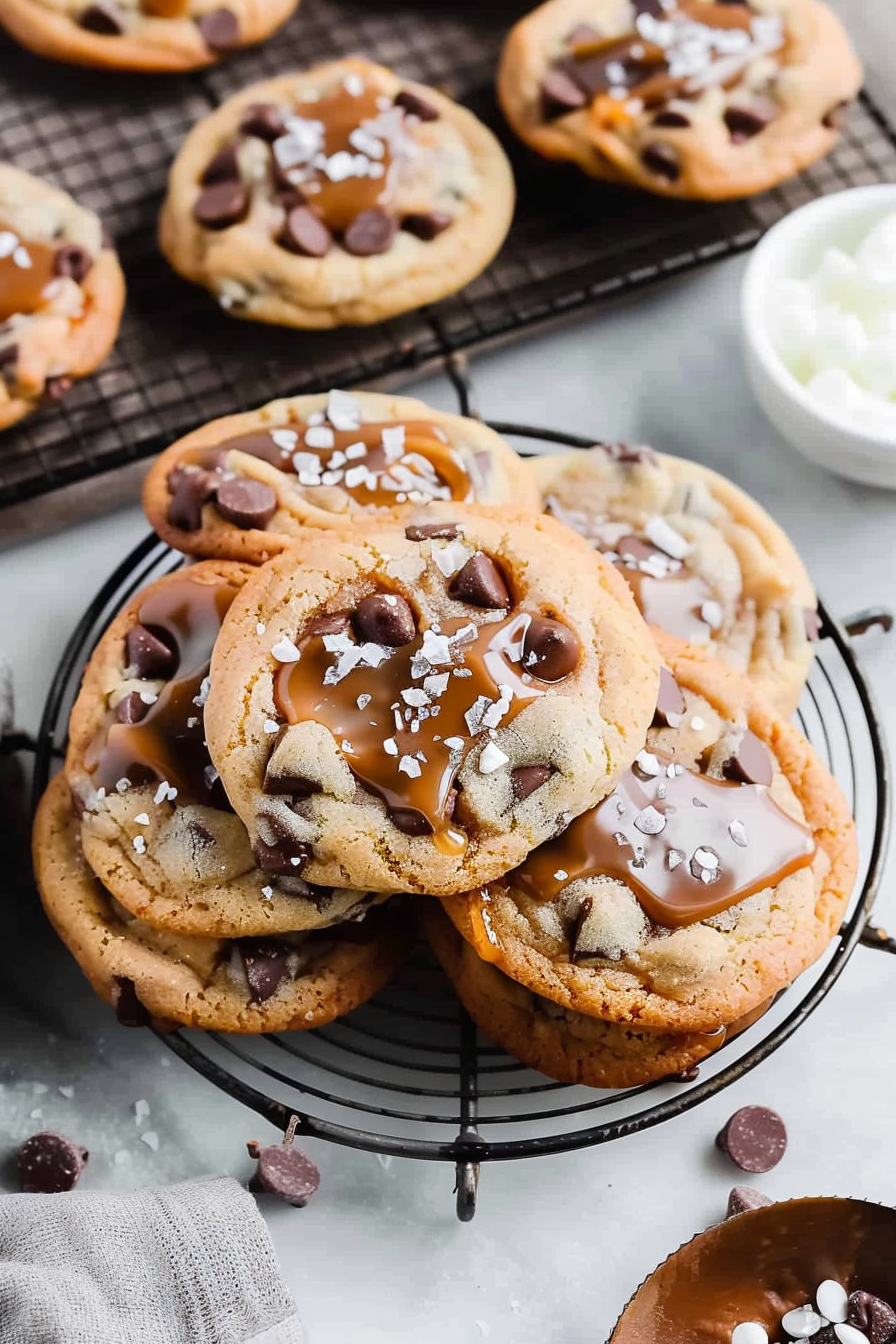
<point>26,269</point>
<point>168,743</point>
<point>688,846</point>
<point>406,725</point>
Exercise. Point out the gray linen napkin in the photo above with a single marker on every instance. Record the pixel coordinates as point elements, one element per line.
<point>188,1264</point>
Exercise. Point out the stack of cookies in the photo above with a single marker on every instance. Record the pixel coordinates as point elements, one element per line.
<point>411,665</point>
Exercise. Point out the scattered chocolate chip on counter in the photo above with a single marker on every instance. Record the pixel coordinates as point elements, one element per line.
<point>50,1164</point>
<point>754,1138</point>
<point>284,1170</point>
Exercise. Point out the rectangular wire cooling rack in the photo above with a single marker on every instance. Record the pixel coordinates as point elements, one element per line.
<point>110,138</point>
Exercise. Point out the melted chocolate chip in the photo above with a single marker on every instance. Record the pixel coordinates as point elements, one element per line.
<point>582,34</point>
<point>834,118</point>
<point>266,967</point>
<point>189,491</point>
<point>223,167</point>
<point>387,619</point>
<point>370,233</point>
<point>104,18</point>
<point>745,122</point>
<point>427,224</point>
<point>264,120</point>
<point>279,858</point>
<point>741,1199</point>
<point>50,1164</point>
<point>246,503</point>
<point>56,388</point>
<point>670,117</point>
<point>304,233</point>
<point>669,701</point>
<point>754,1138</point>
<point>577,951</point>
<point>128,1008</point>
<point>560,94</point>
<point>289,782</point>
<point>416,106</point>
<point>550,649</point>
<point>284,1171</point>
<point>9,355</point>
<point>221,205</point>
<point>131,709</point>
<point>871,1314</point>
<point>662,160</point>
<point>432,531</point>
<point>750,763</point>
<point>812,624</point>
<point>525,779</point>
<point>409,821</point>
<point>220,29</point>
<point>481,584</point>
<point>330,623</point>
<point>72,261</point>
<point>148,654</point>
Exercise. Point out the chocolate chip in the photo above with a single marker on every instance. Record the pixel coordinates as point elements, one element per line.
<point>432,531</point>
<point>224,167</point>
<point>525,779</point>
<point>130,708</point>
<point>279,858</point>
<point>264,120</point>
<point>745,122</point>
<point>871,1314</point>
<point>104,18</point>
<point>582,35</point>
<point>287,782</point>
<point>481,584</point>
<point>50,1163</point>
<point>812,624</point>
<point>304,233</point>
<point>266,967</point>
<point>630,453</point>
<point>633,548</point>
<point>128,1008</point>
<point>220,28</point>
<point>288,198</point>
<point>741,1199</point>
<point>578,929</point>
<point>385,618</point>
<point>189,491</point>
<point>416,106</point>
<point>330,623</point>
<point>8,355</point>
<point>560,94</point>
<point>246,503</point>
<point>284,1171</point>
<point>834,118</point>
<point>370,233</point>
<point>148,654</point>
<point>409,821</point>
<point>221,205</point>
<point>669,701</point>
<point>655,8</point>
<point>56,388</point>
<point>72,261</point>
<point>671,118</point>
<point>663,160</point>
<point>427,224</point>
<point>550,649</point>
<point>754,1138</point>
<point>750,763</point>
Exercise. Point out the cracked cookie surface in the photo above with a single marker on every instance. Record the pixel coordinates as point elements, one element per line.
<point>340,195</point>
<point>245,486</point>
<point>680,97</point>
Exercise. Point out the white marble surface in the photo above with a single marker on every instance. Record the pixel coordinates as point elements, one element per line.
<point>558,1243</point>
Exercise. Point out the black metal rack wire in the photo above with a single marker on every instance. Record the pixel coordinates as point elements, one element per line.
<point>408,1074</point>
<point>109,139</point>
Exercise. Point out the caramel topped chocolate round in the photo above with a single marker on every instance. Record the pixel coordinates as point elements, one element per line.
<point>688,846</point>
<point>761,1265</point>
<point>177,627</point>
<point>676,50</point>
<point>26,269</point>
<point>406,717</point>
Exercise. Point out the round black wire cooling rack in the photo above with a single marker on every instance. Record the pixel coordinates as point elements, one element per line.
<point>408,1074</point>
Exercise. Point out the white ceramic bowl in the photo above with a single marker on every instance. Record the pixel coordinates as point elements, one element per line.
<point>792,250</point>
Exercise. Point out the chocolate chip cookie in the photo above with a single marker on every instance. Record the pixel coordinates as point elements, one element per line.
<point>288,982</point>
<point>416,707</point>
<point>336,195</point>
<point>687,98</point>
<point>245,486</point>
<point>155,823</point>
<point>61,293</point>
<point>142,34</point>
<point>705,562</point>
<point>717,870</point>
